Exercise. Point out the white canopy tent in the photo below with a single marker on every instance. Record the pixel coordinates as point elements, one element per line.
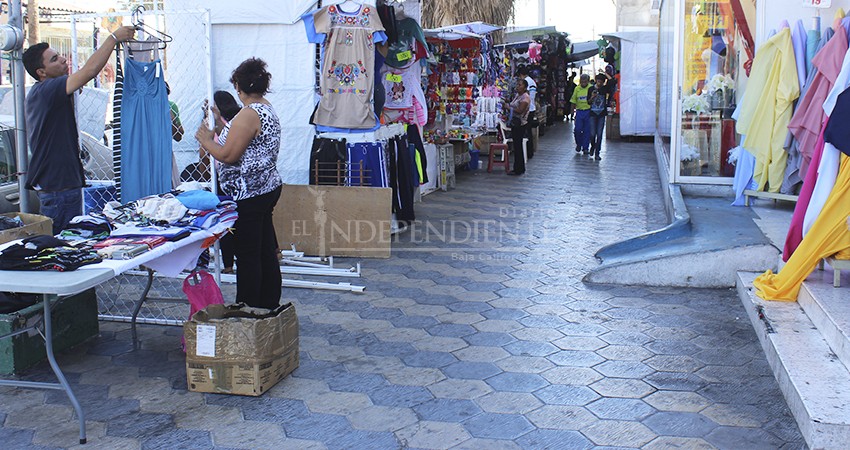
<point>465,30</point>
<point>268,30</point>
<point>638,62</point>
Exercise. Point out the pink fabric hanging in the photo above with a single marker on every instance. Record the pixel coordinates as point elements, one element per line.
<point>795,231</point>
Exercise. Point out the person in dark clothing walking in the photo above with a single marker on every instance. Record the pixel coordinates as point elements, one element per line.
<point>599,99</point>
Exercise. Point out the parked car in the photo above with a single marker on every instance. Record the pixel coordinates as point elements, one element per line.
<point>95,155</point>
<point>10,199</point>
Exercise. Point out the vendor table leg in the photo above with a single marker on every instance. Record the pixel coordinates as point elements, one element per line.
<point>48,345</point>
<point>138,308</point>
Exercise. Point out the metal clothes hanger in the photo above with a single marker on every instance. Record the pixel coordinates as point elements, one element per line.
<point>161,38</point>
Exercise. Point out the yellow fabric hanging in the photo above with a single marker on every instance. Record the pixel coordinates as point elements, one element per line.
<point>840,14</point>
<point>828,236</point>
<point>767,107</point>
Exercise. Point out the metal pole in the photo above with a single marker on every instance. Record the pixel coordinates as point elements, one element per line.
<point>541,13</point>
<point>17,71</point>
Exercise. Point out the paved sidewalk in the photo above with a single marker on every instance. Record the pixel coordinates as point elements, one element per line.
<point>476,334</point>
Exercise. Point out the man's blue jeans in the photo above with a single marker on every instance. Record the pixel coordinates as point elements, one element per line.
<point>61,206</point>
<point>597,129</point>
<point>581,129</point>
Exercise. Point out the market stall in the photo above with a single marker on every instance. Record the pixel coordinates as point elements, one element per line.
<point>638,52</point>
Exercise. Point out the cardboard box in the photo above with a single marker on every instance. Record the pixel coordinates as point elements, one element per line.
<point>34,224</point>
<point>236,349</point>
<point>74,320</point>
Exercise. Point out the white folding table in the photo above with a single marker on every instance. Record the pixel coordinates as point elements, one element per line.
<point>51,285</point>
<point>170,259</point>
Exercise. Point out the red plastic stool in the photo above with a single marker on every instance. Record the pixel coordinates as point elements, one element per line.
<point>504,161</point>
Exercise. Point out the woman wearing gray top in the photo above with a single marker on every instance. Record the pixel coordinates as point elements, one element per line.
<point>247,157</point>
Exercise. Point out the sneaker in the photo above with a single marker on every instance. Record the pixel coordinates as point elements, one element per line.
<point>578,149</point>
<point>585,152</point>
<point>598,158</point>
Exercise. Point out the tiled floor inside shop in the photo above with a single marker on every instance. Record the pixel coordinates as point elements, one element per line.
<point>477,333</point>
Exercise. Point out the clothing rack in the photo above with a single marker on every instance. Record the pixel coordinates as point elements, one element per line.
<point>383,133</point>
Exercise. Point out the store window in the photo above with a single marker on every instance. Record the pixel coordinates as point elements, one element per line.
<point>709,75</point>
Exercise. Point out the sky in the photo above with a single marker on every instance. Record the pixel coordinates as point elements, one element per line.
<point>579,18</point>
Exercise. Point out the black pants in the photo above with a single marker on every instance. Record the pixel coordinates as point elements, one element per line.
<point>258,277</point>
<point>517,134</point>
<point>529,128</point>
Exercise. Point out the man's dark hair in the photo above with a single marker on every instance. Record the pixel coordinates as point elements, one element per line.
<point>601,77</point>
<point>522,70</point>
<point>33,59</point>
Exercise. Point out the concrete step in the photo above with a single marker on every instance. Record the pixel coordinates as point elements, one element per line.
<point>815,383</point>
<point>828,308</point>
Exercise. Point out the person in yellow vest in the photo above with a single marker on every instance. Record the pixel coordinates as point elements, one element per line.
<point>580,102</point>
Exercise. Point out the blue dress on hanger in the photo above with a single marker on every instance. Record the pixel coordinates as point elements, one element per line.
<point>145,132</point>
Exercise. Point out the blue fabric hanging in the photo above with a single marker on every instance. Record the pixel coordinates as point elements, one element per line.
<point>145,132</point>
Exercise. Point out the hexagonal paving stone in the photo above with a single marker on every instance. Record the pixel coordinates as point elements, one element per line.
<point>736,415</point>
<point>618,433</point>
<point>450,330</point>
<point>481,354</point>
<point>578,376</point>
<point>566,395</point>
<point>447,410</point>
<point>529,348</point>
<point>672,381</point>
<point>498,426</point>
<point>673,363</point>
<point>680,424</point>
<point>413,321</point>
<point>471,370</point>
<point>716,356</point>
<point>429,359</point>
<point>749,438</point>
<point>574,358</point>
<point>625,338</point>
<point>583,329</point>
<point>627,313</point>
<point>431,435</point>
<point>461,389</point>
<point>668,442</point>
<point>382,418</point>
<point>537,334</point>
<point>678,401</point>
<point>620,409</point>
<point>504,314</point>
<point>622,387</point>
<point>356,382</point>
<point>624,353</point>
<point>525,364</point>
<point>580,343</point>
<point>670,333</point>
<point>542,321</point>
<point>552,439</point>
<point>508,402</point>
<point>623,369</point>
<point>400,396</point>
<point>489,339</point>
<point>561,417</point>
<point>516,382</point>
<point>673,348</point>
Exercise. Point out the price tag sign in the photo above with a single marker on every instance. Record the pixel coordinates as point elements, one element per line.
<point>404,56</point>
<point>817,3</point>
<point>394,78</point>
<point>205,345</point>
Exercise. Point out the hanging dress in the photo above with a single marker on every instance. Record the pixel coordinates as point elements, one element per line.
<point>145,132</point>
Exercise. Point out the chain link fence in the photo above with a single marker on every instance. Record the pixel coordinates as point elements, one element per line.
<point>186,63</point>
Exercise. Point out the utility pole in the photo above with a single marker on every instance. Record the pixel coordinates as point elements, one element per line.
<point>541,13</point>
<point>33,35</point>
<point>13,41</point>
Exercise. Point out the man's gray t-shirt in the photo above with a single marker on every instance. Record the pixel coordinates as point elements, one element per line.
<point>52,134</point>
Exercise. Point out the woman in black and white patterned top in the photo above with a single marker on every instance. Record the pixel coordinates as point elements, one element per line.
<point>247,157</point>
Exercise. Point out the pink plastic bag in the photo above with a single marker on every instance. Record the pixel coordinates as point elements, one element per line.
<point>201,290</point>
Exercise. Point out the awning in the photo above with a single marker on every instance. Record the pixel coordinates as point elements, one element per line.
<point>525,34</point>
<point>465,30</point>
<point>640,37</point>
<point>583,50</point>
